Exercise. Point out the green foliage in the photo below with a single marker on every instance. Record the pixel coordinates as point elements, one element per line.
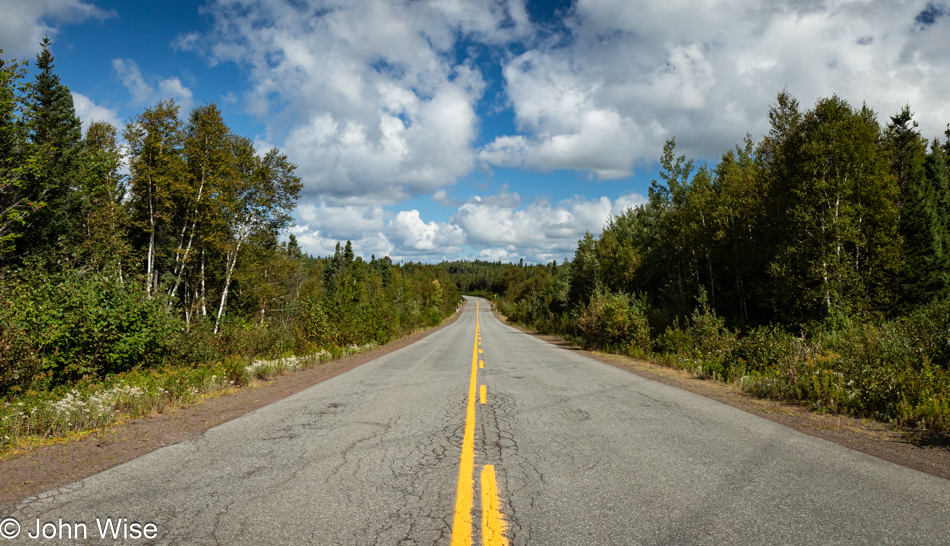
<point>705,340</point>
<point>71,324</point>
<point>55,145</point>
<point>18,160</point>
<point>612,320</point>
<point>832,230</point>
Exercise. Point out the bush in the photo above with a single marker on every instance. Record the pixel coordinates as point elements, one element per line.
<point>704,338</point>
<point>614,320</point>
<point>765,348</point>
<point>70,324</point>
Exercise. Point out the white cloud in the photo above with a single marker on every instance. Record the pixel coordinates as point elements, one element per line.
<point>541,231</point>
<point>373,102</point>
<point>366,96</point>
<point>410,232</point>
<point>173,88</point>
<point>496,227</point>
<point>88,111</point>
<point>347,222</point>
<point>632,74</point>
<point>24,23</point>
<point>143,93</point>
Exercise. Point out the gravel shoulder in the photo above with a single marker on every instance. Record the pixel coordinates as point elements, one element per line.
<point>909,448</point>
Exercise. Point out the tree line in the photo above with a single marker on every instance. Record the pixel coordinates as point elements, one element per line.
<point>163,242</point>
<point>829,238</point>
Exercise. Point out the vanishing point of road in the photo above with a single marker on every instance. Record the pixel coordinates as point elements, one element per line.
<point>481,434</point>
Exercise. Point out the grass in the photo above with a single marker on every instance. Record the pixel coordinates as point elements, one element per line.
<point>36,418</point>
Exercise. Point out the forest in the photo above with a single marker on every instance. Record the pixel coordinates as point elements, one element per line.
<point>811,266</point>
<point>144,265</point>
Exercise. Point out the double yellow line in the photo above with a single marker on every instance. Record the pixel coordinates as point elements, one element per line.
<point>493,521</point>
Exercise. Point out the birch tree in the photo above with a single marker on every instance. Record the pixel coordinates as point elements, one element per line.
<point>259,199</point>
<point>840,213</point>
<point>156,163</point>
<point>101,239</point>
<point>210,165</point>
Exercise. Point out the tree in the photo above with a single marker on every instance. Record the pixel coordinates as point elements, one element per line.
<point>156,162</point>
<point>585,271</point>
<point>840,245</point>
<point>101,242</point>
<point>925,225</point>
<point>259,200</point>
<point>16,161</point>
<point>211,168</point>
<point>921,181</point>
<point>740,189</point>
<point>56,138</point>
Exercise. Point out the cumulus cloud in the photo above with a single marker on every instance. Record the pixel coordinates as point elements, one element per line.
<point>540,232</point>
<point>24,24</point>
<point>494,227</point>
<point>88,111</point>
<point>410,232</point>
<point>628,76</point>
<point>379,100</point>
<point>143,93</point>
<point>367,96</point>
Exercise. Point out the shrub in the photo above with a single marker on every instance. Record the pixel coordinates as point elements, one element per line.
<point>612,320</point>
<point>65,325</point>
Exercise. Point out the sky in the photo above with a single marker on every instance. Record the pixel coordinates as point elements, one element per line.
<point>432,130</point>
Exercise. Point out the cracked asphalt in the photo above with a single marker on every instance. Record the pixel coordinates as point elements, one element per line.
<point>585,453</point>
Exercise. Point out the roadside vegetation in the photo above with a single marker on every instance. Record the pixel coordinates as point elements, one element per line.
<point>812,266</point>
<point>128,291</point>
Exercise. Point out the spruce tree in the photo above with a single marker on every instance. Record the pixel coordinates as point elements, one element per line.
<point>922,179</point>
<point>15,204</point>
<point>56,139</point>
<point>926,225</point>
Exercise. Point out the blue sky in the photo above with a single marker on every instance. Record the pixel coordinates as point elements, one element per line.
<point>494,129</point>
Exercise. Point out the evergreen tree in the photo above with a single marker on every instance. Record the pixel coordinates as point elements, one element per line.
<point>16,205</point>
<point>907,152</point>
<point>921,179</point>
<point>56,138</point>
<point>925,223</point>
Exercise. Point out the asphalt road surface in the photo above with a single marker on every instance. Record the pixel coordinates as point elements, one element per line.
<point>564,450</point>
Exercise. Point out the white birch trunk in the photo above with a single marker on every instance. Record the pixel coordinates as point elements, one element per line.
<point>151,243</point>
<point>231,262</point>
<point>204,308</point>
<point>191,238</point>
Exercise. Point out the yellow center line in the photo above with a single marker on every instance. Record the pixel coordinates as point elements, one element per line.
<point>493,521</point>
<point>481,394</point>
<point>481,363</point>
<point>462,522</point>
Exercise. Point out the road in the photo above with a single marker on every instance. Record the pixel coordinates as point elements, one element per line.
<point>564,450</point>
